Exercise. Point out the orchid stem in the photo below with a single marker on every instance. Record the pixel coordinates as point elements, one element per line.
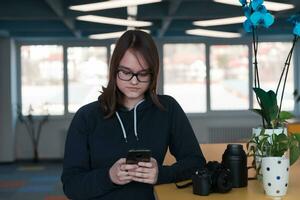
<point>286,70</point>
<point>256,74</point>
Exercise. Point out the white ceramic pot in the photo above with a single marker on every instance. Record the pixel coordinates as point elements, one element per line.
<point>275,171</point>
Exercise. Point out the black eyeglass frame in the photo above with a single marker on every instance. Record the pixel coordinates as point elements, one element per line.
<point>134,74</point>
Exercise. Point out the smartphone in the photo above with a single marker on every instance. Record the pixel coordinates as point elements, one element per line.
<point>138,155</point>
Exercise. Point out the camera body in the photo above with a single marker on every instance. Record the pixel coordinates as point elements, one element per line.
<point>213,178</point>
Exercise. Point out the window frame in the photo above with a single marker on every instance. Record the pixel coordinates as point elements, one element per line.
<point>234,41</point>
<point>208,42</point>
<point>65,45</point>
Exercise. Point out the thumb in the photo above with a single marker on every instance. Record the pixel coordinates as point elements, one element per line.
<point>121,161</point>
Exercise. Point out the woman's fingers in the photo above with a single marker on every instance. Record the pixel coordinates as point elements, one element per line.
<point>146,172</point>
<point>126,167</point>
<point>142,180</point>
<point>119,172</point>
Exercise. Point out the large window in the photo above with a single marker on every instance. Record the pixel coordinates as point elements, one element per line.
<point>271,59</point>
<point>184,70</point>
<point>229,85</point>
<point>42,74</point>
<point>87,73</point>
<point>42,79</point>
<point>185,75</point>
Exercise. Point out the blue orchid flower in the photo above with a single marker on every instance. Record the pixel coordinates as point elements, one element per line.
<point>262,9</point>
<point>257,15</point>
<point>295,19</point>
<point>243,2</point>
<point>248,26</point>
<point>296,29</point>
<point>255,4</point>
<point>247,11</point>
<point>263,19</point>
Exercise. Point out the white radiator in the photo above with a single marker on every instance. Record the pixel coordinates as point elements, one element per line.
<point>229,134</point>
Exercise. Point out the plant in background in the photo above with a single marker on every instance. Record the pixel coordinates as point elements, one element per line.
<point>276,152</point>
<point>270,112</point>
<point>276,145</point>
<point>34,128</point>
<point>268,143</point>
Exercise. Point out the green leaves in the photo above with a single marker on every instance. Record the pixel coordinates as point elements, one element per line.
<point>269,109</point>
<point>294,148</point>
<point>268,103</point>
<point>279,145</point>
<point>276,145</point>
<point>284,115</point>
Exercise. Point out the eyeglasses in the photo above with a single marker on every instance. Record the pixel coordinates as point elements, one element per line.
<point>126,75</point>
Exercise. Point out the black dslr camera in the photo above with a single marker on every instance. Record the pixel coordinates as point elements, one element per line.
<point>213,178</point>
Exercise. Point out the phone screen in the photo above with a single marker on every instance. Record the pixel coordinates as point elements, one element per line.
<point>138,155</point>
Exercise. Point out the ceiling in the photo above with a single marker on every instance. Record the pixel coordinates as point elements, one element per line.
<point>52,18</point>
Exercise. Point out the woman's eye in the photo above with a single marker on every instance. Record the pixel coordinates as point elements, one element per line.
<point>126,72</point>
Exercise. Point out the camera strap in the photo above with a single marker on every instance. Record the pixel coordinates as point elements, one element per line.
<point>184,185</point>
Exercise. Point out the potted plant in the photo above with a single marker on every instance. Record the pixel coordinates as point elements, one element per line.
<point>271,137</point>
<point>34,128</point>
<point>278,153</point>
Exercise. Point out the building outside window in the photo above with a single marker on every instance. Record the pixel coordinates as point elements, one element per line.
<point>229,77</point>
<point>185,75</point>
<point>42,79</point>
<point>87,73</point>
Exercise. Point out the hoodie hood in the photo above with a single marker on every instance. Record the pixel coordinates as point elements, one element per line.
<point>142,104</point>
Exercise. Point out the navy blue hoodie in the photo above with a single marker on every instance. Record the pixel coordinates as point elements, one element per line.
<point>94,144</point>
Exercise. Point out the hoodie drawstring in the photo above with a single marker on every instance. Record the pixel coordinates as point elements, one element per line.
<point>134,122</point>
<point>122,126</point>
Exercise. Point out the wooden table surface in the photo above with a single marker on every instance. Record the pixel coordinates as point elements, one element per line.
<point>254,190</point>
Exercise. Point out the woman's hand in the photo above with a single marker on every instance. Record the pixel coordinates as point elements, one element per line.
<point>120,172</point>
<point>147,172</point>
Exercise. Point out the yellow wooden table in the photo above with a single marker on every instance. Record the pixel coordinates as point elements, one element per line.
<point>293,126</point>
<point>254,190</point>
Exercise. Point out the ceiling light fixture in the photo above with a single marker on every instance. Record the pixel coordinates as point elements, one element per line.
<point>210,33</point>
<point>111,4</point>
<point>273,6</point>
<point>114,21</point>
<point>222,21</point>
<point>112,35</point>
<point>103,36</point>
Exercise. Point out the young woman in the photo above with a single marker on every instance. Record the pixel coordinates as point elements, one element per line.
<point>128,115</point>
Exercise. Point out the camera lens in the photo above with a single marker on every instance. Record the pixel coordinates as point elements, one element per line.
<point>235,149</point>
<point>235,159</point>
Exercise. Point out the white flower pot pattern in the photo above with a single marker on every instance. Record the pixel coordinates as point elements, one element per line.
<point>275,171</point>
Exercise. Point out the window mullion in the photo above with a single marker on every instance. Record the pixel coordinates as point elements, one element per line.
<point>65,81</point>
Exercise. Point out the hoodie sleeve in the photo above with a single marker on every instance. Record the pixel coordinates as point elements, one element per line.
<point>79,180</point>
<point>183,146</point>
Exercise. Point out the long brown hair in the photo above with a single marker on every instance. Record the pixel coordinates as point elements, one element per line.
<point>142,43</point>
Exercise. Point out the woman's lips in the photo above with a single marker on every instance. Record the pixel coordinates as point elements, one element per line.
<point>133,88</point>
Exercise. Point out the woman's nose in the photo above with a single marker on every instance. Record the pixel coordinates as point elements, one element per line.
<point>134,80</point>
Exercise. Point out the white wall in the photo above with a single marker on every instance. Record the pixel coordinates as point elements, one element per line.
<point>7,100</point>
<point>51,144</point>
